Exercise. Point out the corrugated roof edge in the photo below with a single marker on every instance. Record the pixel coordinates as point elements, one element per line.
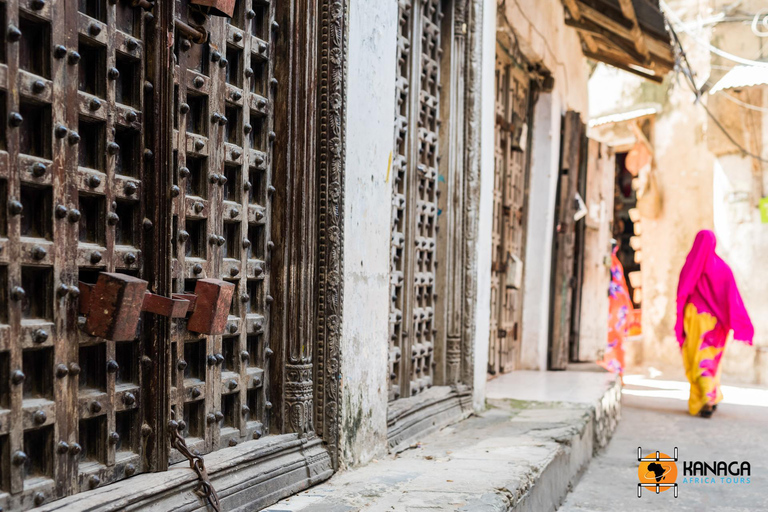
<point>636,112</point>
<point>741,76</point>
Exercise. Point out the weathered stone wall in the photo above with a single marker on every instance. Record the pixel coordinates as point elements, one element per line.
<point>370,112</point>
<point>684,175</point>
<point>739,183</point>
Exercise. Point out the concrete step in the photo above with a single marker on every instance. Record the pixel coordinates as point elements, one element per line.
<point>524,453</point>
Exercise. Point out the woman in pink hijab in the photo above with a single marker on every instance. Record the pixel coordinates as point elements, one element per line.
<point>709,307</point>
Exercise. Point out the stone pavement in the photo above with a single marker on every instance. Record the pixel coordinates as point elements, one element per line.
<point>523,453</point>
<point>655,417</point>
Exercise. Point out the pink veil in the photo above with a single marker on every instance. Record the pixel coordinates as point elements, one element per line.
<point>706,274</point>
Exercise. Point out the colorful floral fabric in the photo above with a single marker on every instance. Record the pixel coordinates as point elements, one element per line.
<point>619,319</point>
<point>709,307</point>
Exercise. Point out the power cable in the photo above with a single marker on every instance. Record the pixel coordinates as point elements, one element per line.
<point>744,104</point>
<point>688,72</point>
<point>713,49</point>
<point>757,21</point>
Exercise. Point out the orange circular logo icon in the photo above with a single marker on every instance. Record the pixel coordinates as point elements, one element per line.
<point>653,471</point>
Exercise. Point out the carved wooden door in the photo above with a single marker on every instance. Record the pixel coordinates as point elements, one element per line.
<point>87,151</point>
<point>415,196</point>
<point>509,214</point>
<point>74,174</point>
<point>222,187</point>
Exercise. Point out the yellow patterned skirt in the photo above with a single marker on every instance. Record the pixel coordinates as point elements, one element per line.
<point>702,350</point>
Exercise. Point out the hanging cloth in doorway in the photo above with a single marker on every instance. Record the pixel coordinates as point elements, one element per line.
<point>619,317</point>
<point>640,163</point>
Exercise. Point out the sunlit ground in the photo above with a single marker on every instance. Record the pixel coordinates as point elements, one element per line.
<point>654,416</point>
<point>657,385</point>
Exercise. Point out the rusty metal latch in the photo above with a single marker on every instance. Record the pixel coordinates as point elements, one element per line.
<point>224,8</point>
<point>114,304</point>
<point>196,34</point>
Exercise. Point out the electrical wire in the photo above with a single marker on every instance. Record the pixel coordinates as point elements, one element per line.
<point>756,29</point>
<point>713,49</point>
<point>688,72</point>
<point>746,105</point>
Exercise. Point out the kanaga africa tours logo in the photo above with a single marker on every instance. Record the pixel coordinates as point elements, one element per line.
<point>657,471</point>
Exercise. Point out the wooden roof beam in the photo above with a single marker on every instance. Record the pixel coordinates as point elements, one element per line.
<point>658,49</point>
<point>588,27</point>
<point>573,8</point>
<point>622,65</point>
<point>638,37</point>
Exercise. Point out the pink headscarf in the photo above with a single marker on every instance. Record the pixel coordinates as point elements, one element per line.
<point>708,280</point>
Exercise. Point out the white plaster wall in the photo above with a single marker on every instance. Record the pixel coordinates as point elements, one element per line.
<point>742,240</point>
<point>370,112</point>
<point>545,163</point>
<point>543,38</point>
<point>485,213</point>
<point>685,177</point>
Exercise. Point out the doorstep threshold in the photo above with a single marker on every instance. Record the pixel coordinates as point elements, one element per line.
<point>519,454</point>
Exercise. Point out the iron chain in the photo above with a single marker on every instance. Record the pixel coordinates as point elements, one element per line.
<point>197,464</point>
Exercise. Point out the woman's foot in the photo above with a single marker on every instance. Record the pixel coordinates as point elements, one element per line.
<point>706,411</point>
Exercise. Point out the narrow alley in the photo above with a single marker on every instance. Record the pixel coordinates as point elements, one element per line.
<point>383,255</point>
<point>654,417</point>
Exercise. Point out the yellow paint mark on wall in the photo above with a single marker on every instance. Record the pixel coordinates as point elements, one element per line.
<point>389,166</point>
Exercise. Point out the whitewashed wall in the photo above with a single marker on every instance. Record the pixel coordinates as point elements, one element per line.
<point>370,113</point>
<point>485,211</point>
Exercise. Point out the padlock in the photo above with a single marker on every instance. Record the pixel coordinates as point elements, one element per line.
<point>217,7</point>
<point>211,309</point>
<point>113,306</point>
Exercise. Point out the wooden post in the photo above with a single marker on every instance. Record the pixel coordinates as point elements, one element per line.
<point>294,230</point>
<point>564,242</point>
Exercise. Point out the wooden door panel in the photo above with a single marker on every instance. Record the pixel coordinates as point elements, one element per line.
<point>83,181</point>
<point>564,242</point>
<point>415,196</point>
<point>73,174</point>
<point>221,221</point>
<point>508,236</point>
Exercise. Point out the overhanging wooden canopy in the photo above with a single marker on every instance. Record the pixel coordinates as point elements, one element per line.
<point>628,34</point>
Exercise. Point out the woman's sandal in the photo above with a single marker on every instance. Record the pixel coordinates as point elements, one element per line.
<point>707,411</point>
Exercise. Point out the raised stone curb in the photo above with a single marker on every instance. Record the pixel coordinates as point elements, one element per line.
<point>519,454</point>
